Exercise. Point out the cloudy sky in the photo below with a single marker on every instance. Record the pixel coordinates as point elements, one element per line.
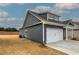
<point>13,15</point>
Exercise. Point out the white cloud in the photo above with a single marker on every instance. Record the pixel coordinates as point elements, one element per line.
<point>58,8</point>
<point>64,8</point>
<point>7,19</point>
<point>8,4</point>
<point>11,18</point>
<point>54,9</point>
<point>41,9</point>
<point>5,4</point>
<point>11,22</point>
<point>66,5</point>
<point>75,19</point>
<point>3,14</point>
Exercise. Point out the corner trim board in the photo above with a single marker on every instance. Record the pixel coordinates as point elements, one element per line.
<point>43,32</point>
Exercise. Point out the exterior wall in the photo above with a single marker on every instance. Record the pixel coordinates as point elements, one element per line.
<point>69,33</point>
<point>35,33</point>
<point>75,34</point>
<point>30,20</point>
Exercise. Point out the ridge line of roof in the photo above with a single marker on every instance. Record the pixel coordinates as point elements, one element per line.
<point>45,12</point>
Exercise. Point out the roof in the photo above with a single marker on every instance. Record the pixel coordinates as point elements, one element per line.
<point>53,23</point>
<point>37,16</point>
<point>48,12</point>
<point>68,22</point>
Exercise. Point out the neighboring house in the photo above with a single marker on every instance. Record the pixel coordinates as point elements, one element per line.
<point>45,27</point>
<point>76,31</point>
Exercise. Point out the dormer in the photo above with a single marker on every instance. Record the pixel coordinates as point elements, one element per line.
<point>52,17</point>
<point>49,16</point>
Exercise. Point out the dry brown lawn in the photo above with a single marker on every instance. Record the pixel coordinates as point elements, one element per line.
<point>13,45</point>
<point>8,33</point>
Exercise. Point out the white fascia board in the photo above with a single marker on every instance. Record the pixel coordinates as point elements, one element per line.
<point>68,26</point>
<point>71,27</point>
<point>52,23</point>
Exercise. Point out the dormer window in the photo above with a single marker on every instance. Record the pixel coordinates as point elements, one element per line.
<point>52,17</point>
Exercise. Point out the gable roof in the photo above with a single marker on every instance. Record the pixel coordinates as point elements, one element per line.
<point>45,12</point>
<point>36,15</point>
<point>69,22</point>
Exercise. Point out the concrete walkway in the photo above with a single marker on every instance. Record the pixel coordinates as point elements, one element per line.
<point>66,46</point>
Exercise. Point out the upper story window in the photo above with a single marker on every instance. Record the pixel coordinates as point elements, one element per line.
<point>52,17</point>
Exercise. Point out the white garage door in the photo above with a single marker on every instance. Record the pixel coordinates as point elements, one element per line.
<point>54,34</point>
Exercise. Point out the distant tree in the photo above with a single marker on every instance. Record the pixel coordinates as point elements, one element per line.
<point>10,29</point>
<point>2,29</point>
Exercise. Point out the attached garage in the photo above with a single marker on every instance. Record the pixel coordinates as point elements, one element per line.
<point>54,34</point>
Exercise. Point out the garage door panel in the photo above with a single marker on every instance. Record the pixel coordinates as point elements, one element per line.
<point>54,34</point>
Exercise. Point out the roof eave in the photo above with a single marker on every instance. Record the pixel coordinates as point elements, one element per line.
<point>52,23</point>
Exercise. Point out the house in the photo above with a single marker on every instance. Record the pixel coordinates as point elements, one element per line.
<point>45,27</point>
<point>76,31</point>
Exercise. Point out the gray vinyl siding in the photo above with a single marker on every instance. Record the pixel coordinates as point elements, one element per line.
<point>75,34</point>
<point>30,20</point>
<point>35,33</point>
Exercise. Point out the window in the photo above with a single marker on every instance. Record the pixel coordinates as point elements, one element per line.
<point>53,17</point>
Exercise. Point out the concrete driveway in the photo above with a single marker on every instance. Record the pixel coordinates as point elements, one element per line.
<point>66,46</point>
